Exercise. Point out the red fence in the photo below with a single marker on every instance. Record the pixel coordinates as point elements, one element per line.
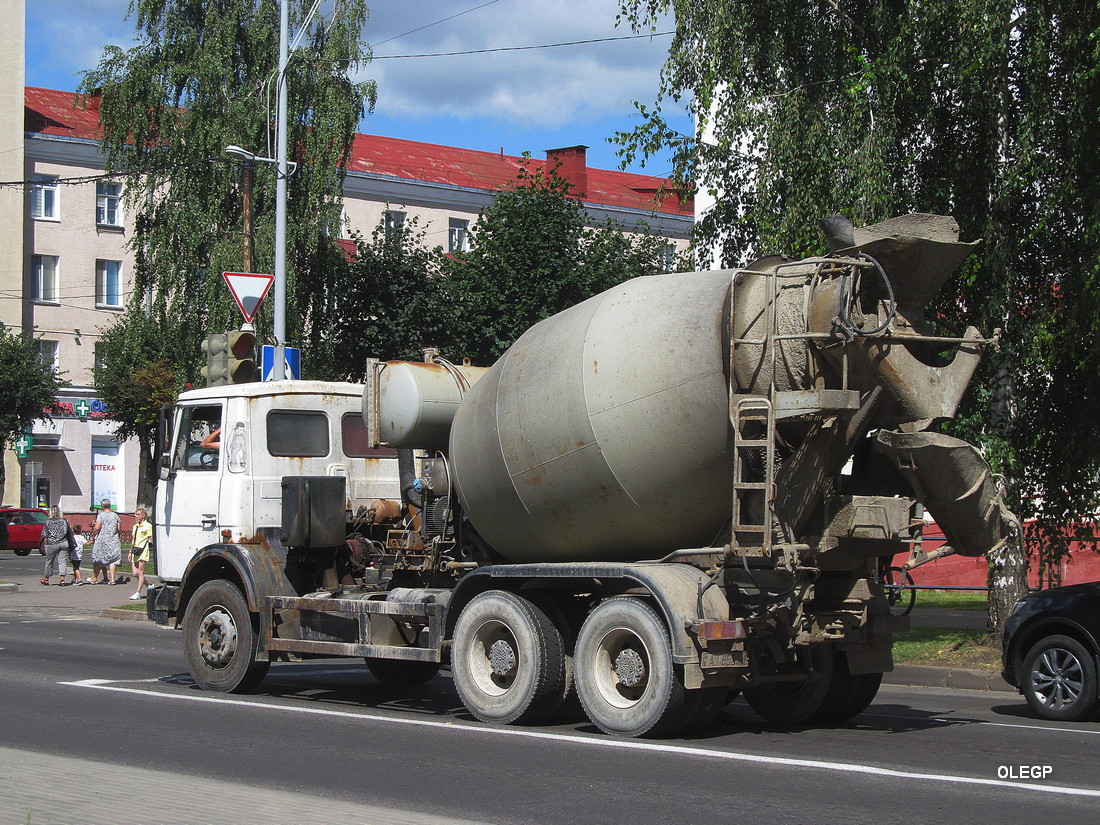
<point>1082,564</point>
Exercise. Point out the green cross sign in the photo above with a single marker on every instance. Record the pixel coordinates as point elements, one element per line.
<point>23,445</point>
<point>82,407</point>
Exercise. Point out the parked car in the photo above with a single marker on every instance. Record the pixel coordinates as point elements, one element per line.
<point>1051,651</point>
<point>24,528</point>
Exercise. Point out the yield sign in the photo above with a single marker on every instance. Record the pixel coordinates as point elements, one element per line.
<point>248,290</point>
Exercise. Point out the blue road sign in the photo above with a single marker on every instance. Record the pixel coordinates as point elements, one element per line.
<point>293,362</point>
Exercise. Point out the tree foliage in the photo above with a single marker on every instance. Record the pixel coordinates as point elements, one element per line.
<point>532,255</point>
<point>201,78</point>
<point>980,109</point>
<point>28,388</point>
<point>387,301</point>
<point>136,375</point>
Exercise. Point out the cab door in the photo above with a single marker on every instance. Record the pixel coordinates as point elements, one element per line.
<point>189,494</point>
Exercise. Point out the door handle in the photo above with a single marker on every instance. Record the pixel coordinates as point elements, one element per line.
<point>208,523</point>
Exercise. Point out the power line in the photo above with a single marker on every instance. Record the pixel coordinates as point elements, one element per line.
<point>523,48</point>
<point>429,25</point>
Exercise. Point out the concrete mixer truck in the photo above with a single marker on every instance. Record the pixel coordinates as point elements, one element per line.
<point>678,490</point>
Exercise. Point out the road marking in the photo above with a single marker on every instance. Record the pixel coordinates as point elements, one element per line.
<point>48,621</point>
<point>616,744</point>
<point>950,721</point>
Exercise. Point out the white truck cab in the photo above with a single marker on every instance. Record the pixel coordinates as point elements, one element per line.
<point>229,447</point>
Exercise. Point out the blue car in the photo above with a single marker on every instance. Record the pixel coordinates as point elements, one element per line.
<point>1051,651</point>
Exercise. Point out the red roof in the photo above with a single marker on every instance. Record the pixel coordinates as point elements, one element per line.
<point>51,112</point>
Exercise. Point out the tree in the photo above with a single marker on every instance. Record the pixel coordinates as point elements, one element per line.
<point>136,377</point>
<point>531,256</point>
<point>387,302</point>
<point>201,78</point>
<point>981,109</point>
<point>28,389</point>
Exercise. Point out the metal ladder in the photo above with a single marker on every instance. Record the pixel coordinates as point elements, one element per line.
<point>747,416</point>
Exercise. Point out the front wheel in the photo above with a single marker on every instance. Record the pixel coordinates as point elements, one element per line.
<point>22,551</point>
<point>625,675</point>
<point>221,639</point>
<point>508,660</point>
<point>1059,680</point>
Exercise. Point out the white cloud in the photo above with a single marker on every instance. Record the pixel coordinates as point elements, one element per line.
<point>539,87</point>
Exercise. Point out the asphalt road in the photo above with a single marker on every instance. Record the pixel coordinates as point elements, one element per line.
<point>118,692</point>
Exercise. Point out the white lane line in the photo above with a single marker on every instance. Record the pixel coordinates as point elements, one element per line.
<point>616,744</point>
<point>949,720</point>
<point>48,621</point>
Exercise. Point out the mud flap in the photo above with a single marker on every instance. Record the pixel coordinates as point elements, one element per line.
<point>955,484</point>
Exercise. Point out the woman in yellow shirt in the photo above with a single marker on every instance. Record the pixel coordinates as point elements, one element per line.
<point>139,551</point>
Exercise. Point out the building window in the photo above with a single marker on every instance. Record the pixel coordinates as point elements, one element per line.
<point>44,272</point>
<point>44,197</point>
<point>456,235</point>
<point>108,283</point>
<point>108,204</point>
<point>47,353</point>
<point>393,222</point>
<point>668,257</point>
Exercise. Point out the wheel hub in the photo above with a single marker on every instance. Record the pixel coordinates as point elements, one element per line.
<point>629,668</point>
<point>217,638</point>
<point>502,659</point>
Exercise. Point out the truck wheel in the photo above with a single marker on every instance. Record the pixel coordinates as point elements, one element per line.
<point>848,695</point>
<point>221,640</point>
<point>1059,679</point>
<point>397,672</point>
<point>625,676</point>
<point>508,660</point>
<point>795,703</point>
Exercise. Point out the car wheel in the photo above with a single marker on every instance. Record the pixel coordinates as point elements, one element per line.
<point>1059,679</point>
<point>23,551</point>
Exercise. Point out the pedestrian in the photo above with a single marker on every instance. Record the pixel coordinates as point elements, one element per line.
<point>76,550</point>
<point>55,538</point>
<point>139,550</point>
<point>106,548</point>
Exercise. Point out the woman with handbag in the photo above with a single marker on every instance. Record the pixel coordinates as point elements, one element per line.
<point>55,539</point>
<point>139,551</point>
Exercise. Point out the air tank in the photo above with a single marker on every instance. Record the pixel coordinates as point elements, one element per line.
<point>603,434</point>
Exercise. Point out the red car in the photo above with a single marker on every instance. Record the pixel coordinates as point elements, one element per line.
<point>24,528</point>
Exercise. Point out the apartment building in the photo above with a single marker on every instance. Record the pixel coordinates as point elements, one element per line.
<point>72,274</point>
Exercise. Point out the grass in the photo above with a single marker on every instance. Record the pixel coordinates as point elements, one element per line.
<point>954,599</point>
<point>947,647</point>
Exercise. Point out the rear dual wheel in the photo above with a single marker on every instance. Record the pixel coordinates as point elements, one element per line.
<point>509,660</point>
<point>832,693</point>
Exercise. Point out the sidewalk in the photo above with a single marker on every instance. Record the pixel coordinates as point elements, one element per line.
<point>37,788</point>
<point>95,599</point>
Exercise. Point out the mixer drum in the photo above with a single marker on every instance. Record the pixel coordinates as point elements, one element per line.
<point>603,433</point>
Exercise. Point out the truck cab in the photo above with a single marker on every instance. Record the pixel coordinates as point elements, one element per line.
<point>228,449</point>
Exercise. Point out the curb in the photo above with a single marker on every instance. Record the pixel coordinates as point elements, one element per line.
<point>960,678</point>
<point>9,588</point>
<point>123,614</point>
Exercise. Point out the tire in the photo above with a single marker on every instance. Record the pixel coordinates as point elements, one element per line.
<point>508,660</point>
<point>1059,679</point>
<point>398,672</point>
<point>221,640</point>
<point>24,551</point>
<point>625,676</point>
<point>848,695</point>
<point>797,703</point>
<point>707,704</point>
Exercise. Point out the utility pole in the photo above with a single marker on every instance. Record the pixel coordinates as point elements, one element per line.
<point>246,196</point>
<point>278,371</point>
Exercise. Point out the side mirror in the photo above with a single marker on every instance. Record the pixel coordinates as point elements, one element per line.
<point>166,467</point>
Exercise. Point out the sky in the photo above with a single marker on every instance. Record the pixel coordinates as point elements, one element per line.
<point>518,100</point>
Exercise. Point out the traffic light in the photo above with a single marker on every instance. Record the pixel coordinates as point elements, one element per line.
<point>216,371</point>
<point>242,357</point>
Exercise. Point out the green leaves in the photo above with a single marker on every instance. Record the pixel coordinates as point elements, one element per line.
<point>28,385</point>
